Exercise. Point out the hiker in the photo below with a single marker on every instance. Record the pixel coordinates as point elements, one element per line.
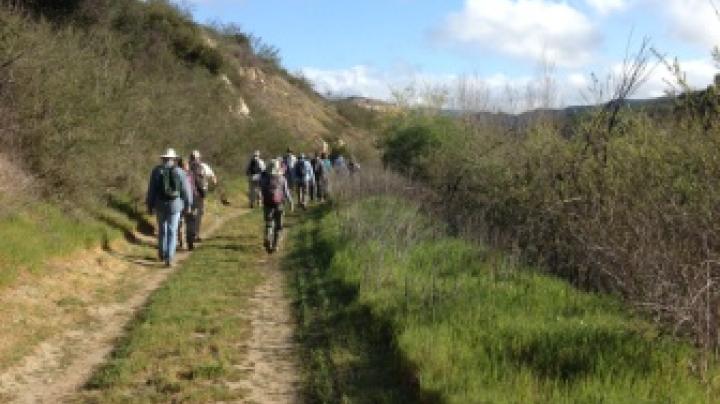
<point>339,164</point>
<point>304,176</point>
<point>167,196</point>
<point>189,216</point>
<point>319,169</point>
<point>181,164</point>
<point>288,164</point>
<point>203,176</point>
<point>327,164</point>
<point>353,166</point>
<point>275,193</point>
<point>253,171</point>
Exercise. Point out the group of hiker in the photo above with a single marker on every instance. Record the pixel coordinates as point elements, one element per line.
<point>177,190</point>
<point>176,193</point>
<point>271,184</point>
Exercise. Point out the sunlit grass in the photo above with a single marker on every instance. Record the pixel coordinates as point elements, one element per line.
<point>472,325</point>
<point>185,344</point>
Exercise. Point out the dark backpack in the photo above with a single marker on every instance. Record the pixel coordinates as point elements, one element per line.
<point>319,168</point>
<point>201,183</point>
<point>272,190</point>
<point>254,167</point>
<point>170,183</point>
<point>300,170</point>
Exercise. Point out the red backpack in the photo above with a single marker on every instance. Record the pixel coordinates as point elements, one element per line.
<point>272,190</point>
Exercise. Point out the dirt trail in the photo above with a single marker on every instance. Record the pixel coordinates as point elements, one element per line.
<point>61,364</point>
<point>273,373</point>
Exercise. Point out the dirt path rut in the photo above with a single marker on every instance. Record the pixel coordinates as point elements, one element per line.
<point>271,363</point>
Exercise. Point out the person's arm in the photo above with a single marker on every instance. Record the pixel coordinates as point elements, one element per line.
<point>186,191</point>
<point>210,173</point>
<point>288,195</point>
<point>312,174</point>
<point>150,195</point>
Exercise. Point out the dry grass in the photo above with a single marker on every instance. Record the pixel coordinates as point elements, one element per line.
<point>17,187</point>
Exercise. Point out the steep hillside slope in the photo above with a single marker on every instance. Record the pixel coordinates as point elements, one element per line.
<point>92,91</point>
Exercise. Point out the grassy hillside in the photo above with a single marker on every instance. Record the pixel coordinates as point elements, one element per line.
<point>92,91</point>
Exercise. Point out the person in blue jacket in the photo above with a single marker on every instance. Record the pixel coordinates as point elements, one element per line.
<point>168,196</point>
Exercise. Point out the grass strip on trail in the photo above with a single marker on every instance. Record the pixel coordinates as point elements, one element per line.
<point>183,346</point>
<point>392,311</point>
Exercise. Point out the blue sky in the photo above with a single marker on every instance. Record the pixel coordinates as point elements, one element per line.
<point>368,47</point>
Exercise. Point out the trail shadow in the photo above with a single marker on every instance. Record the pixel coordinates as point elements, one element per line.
<point>235,247</point>
<point>136,224</point>
<point>143,260</point>
<point>350,353</point>
<point>143,226</point>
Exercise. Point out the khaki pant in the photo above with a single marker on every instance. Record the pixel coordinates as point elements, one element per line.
<point>254,195</point>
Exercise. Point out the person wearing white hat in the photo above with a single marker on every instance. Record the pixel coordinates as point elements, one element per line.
<point>167,196</point>
<point>203,176</point>
<point>254,169</point>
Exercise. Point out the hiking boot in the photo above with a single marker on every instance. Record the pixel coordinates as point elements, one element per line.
<point>169,263</point>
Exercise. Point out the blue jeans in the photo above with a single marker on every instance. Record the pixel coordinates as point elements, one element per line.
<point>167,233</point>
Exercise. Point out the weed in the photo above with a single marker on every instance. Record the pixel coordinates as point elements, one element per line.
<point>444,320</point>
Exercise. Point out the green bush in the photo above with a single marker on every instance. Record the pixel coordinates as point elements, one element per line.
<point>631,210</point>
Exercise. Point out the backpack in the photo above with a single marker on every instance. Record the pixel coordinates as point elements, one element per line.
<point>201,183</point>
<point>319,168</point>
<point>300,170</point>
<point>289,162</point>
<point>171,183</point>
<point>272,190</point>
<point>254,167</point>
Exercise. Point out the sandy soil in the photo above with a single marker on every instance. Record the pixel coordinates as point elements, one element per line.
<point>271,363</point>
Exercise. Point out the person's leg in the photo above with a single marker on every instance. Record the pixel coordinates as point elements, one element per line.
<point>180,231</point>
<point>200,207</point>
<point>162,232</point>
<point>268,217</point>
<point>303,193</point>
<point>190,231</point>
<point>251,192</point>
<point>319,190</point>
<point>172,227</point>
<point>278,227</point>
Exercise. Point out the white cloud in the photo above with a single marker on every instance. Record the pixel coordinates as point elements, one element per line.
<point>529,29</point>
<point>607,6</point>
<point>698,73</point>
<point>693,21</point>
<point>354,81</point>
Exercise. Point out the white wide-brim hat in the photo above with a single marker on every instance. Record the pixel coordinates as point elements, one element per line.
<point>275,167</point>
<point>170,154</point>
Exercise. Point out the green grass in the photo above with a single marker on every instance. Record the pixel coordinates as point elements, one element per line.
<point>183,345</point>
<point>441,320</point>
<point>40,233</point>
